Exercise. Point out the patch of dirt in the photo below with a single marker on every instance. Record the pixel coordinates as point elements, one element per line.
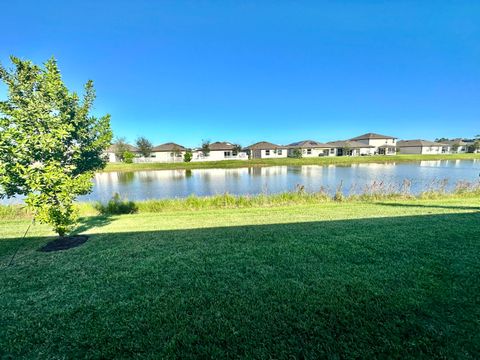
<point>64,243</point>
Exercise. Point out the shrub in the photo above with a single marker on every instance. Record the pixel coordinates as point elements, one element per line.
<point>116,206</point>
<point>188,156</point>
<point>128,157</point>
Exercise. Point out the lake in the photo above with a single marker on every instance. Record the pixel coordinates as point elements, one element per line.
<point>354,178</point>
<point>158,184</point>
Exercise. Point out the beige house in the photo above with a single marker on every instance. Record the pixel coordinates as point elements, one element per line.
<point>424,147</point>
<point>266,150</point>
<point>220,151</point>
<point>383,144</point>
<point>111,152</point>
<point>167,153</point>
<point>350,148</point>
<point>308,148</point>
<point>457,146</point>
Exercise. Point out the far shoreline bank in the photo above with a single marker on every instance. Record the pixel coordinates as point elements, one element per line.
<point>320,161</point>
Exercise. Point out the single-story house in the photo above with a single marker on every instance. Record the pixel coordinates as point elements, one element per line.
<point>383,144</point>
<point>350,148</point>
<point>168,152</point>
<point>308,148</point>
<point>266,150</point>
<point>112,152</point>
<point>422,147</point>
<point>457,145</point>
<point>220,151</point>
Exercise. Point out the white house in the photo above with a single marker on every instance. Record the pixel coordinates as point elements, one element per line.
<point>422,147</point>
<point>167,153</point>
<point>350,148</point>
<point>457,145</point>
<point>112,152</point>
<point>308,148</point>
<point>220,151</point>
<point>383,144</point>
<point>266,150</point>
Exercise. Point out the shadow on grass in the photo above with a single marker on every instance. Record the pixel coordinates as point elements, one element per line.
<point>450,207</point>
<point>91,222</point>
<point>397,287</point>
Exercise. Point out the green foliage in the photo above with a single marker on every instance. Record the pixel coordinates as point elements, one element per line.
<point>116,206</point>
<point>188,156</point>
<point>128,157</point>
<point>237,148</point>
<point>50,146</point>
<point>144,146</point>
<point>120,146</point>
<point>296,153</point>
<point>205,147</point>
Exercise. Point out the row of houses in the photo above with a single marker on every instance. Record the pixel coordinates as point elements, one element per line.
<point>364,145</point>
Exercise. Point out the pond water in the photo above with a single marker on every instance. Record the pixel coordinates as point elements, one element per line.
<point>355,178</point>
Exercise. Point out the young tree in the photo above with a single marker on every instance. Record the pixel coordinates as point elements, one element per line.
<point>50,146</point>
<point>120,147</point>
<point>145,146</point>
<point>205,147</point>
<point>188,156</point>
<point>237,148</point>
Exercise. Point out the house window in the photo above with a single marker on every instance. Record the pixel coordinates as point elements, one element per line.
<point>332,151</point>
<point>227,154</point>
<point>309,151</point>
<point>279,152</point>
<point>267,152</point>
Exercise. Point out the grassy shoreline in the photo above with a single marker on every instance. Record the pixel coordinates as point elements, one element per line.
<point>228,164</point>
<point>385,279</point>
<point>228,201</point>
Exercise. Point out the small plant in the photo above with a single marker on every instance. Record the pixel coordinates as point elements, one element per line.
<point>188,156</point>
<point>116,206</point>
<point>128,157</point>
<point>297,154</point>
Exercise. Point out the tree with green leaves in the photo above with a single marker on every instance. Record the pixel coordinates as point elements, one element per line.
<point>205,147</point>
<point>50,146</point>
<point>144,146</point>
<point>237,149</point>
<point>120,147</point>
<point>187,157</point>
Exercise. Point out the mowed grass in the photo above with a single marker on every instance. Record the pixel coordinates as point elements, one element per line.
<point>390,279</point>
<point>328,160</point>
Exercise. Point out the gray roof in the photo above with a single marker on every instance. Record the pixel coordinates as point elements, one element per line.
<point>418,143</point>
<point>168,147</point>
<point>221,145</point>
<point>369,136</point>
<point>458,142</point>
<point>308,144</point>
<point>112,148</point>
<point>264,145</point>
<point>348,144</point>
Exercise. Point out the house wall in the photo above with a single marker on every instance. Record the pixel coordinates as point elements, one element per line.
<point>315,152</point>
<point>272,154</point>
<point>166,157</point>
<point>379,142</point>
<point>218,155</point>
<point>425,150</point>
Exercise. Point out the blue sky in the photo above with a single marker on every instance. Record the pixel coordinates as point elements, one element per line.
<point>245,71</point>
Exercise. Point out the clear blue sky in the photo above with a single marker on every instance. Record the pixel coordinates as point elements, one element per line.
<point>245,71</point>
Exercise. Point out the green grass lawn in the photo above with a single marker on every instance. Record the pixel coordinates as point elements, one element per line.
<point>342,160</point>
<point>339,280</point>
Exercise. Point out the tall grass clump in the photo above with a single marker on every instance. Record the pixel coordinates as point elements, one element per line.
<point>116,206</point>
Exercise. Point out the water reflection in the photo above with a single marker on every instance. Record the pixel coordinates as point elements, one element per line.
<point>354,179</point>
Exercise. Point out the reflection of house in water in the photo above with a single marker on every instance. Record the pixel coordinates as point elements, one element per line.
<point>430,163</point>
<point>268,171</point>
<point>160,175</point>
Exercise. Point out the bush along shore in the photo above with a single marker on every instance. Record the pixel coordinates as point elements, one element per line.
<point>342,160</point>
<point>377,191</point>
